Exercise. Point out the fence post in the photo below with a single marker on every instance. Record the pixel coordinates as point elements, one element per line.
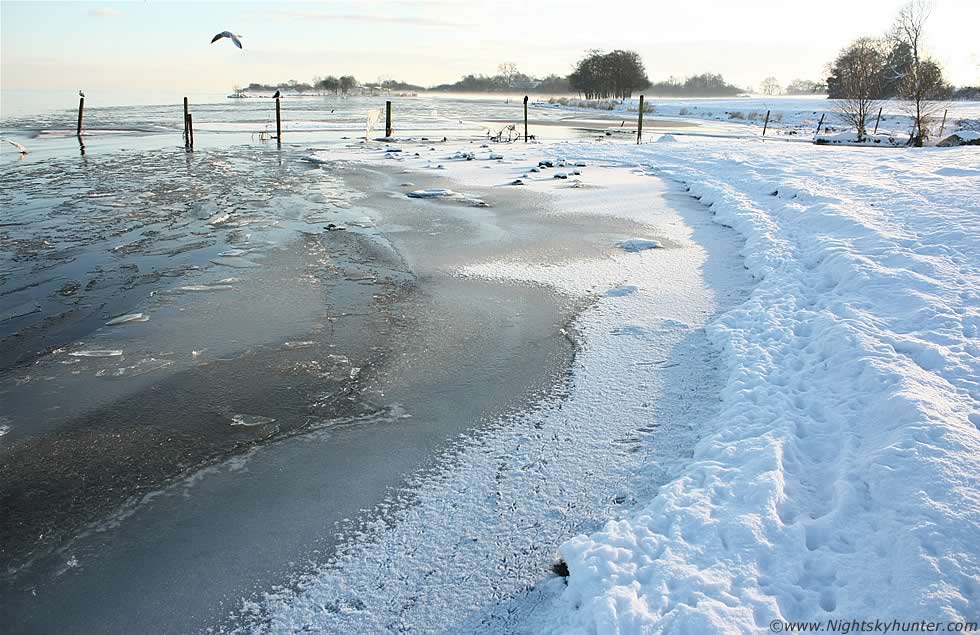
<point>190,128</point>
<point>943,126</point>
<point>819,125</point>
<point>81,109</point>
<point>388,119</point>
<point>278,123</point>
<point>639,123</point>
<point>525,118</point>
<point>766,124</point>
<point>187,132</point>
<point>877,121</point>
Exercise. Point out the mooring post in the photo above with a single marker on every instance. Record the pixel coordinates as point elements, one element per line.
<point>639,123</point>
<point>877,121</point>
<point>766,124</point>
<point>187,134</point>
<point>943,126</point>
<point>81,109</point>
<point>387,119</point>
<point>819,125</point>
<point>278,123</point>
<point>525,118</point>
<point>190,128</point>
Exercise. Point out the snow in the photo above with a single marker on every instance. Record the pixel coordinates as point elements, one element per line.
<point>808,450</point>
<point>841,475</point>
<point>433,193</point>
<point>789,116</point>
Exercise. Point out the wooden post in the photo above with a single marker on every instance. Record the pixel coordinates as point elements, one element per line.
<point>278,123</point>
<point>877,121</point>
<point>387,119</point>
<point>81,109</point>
<point>190,128</point>
<point>187,133</point>
<point>525,118</point>
<point>819,125</point>
<point>639,122</point>
<point>943,126</point>
<point>766,124</point>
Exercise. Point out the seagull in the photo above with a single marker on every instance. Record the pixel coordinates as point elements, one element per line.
<point>19,147</point>
<point>81,94</point>
<point>276,96</point>
<point>228,34</point>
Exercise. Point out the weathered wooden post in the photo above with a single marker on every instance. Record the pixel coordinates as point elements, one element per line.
<point>877,121</point>
<point>387,119</point>
<point>187,133</point>
<point>639,122</point>
<point>190,128</point>
<point>766,124</point>
<point>278,123</point>
<point>943,126</point>
<point>81,109</point>
<point>525,118</point>
<point>819,125</point>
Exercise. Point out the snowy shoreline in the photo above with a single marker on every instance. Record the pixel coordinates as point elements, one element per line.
<point>486,529</point>
<point>836,478</point>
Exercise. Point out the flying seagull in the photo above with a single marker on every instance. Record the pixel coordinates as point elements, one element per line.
<point>228,34</point>
<point>19,147</point>
<point>277,95</point>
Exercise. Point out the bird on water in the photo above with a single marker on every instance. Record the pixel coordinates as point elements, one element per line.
<point>231,36</point>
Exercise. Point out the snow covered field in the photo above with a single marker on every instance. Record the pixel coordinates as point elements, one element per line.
<point>790,116</point>
<point>804,446</point>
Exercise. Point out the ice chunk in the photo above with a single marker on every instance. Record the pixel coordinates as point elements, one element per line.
<point>129,317</point>
<point>434,193</point>
<point>624,290</point>
<point>638,244</point>
<point>205,287</point>
<point>250,420</point>
<point>97,353</point>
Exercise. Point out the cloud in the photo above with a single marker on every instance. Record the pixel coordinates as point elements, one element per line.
<point>106,12</point>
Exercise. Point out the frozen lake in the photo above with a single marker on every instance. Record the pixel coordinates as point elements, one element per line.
<point>201,382</point>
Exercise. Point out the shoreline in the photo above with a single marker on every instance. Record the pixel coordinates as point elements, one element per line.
<point>517,491</point>
<point>489,327</point>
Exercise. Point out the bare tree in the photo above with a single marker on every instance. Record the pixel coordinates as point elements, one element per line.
<point>859,72</point>
<point>771,86</point>
<point>920,82</point>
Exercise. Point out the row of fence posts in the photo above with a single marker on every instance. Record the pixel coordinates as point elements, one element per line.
<point>189,122</point>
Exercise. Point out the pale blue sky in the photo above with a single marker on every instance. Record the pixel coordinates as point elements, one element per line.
<point>165,44</point>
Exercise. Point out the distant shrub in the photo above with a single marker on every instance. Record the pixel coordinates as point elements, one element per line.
<point>683,111</point>
<point>595,104</point>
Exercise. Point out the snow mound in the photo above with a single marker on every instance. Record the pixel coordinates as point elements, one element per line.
<point>841,475</point>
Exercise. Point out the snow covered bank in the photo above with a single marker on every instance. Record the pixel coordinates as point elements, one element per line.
<point>448,551</point>
<point>841,476</point>
<point>838,475</point>
<point>790,116</point>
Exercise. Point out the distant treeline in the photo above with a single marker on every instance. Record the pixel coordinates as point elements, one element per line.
<point>966,93</point>
<point>703,85</point>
